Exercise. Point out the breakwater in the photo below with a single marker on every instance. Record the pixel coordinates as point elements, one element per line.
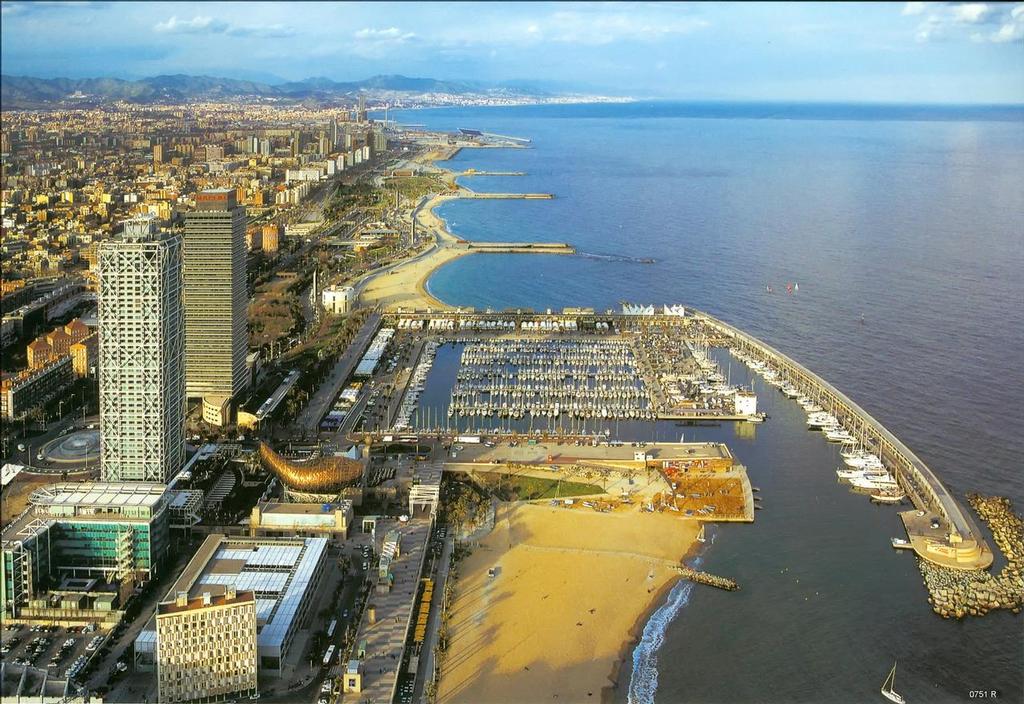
<point>710,580</point>
<point>947,535</point>
<point>959,593</point>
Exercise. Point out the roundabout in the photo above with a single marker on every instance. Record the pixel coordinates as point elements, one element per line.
<point>81,447</point>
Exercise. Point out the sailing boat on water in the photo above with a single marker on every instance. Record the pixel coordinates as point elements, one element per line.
<point>700,535</point>
<point>887,688</point>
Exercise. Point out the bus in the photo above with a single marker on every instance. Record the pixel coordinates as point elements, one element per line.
<point>330,629</point>
<point>328,656</point>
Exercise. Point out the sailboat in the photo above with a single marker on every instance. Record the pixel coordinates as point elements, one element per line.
<point>887,688</point>
<point>700,536</point>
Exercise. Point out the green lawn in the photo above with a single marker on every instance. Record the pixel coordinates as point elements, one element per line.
<point>532,488</point>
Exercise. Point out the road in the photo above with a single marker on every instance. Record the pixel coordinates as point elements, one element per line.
<point>318,405</point>
<point>27,457</point>
<point>426,667</point>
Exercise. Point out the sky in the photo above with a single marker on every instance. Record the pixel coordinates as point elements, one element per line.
<point>871,52</point>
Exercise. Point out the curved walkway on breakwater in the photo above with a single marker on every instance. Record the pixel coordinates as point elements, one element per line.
<point>957,542</point>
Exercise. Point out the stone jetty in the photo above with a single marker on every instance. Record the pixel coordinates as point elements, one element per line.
<point>958,593</point>
<point>709,579</point>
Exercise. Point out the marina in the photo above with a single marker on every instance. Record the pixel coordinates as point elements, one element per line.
<point>549,378</point>
<point>642,367</point>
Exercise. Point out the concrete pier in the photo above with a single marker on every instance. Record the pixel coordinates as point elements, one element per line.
<point>520,247</point>
<point>474,172</point>
<point>499,196</point>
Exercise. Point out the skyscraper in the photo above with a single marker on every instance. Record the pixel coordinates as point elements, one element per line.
<point>141,359</point>
<point>215,301</point>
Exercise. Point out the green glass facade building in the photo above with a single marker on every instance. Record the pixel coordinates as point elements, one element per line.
<point>94,529</point>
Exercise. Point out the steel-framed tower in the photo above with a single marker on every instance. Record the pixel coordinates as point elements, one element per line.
<point>141,354</point>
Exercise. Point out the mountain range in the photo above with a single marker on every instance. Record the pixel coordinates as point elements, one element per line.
<point>25,92</point>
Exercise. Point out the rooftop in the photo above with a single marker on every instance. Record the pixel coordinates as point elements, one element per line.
<point>303,509</point>
<point>200,602</point>
<point>100,494</point>
<point>85,501</point>
<point>277,570</point>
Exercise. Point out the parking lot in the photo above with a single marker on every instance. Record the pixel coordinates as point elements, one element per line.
<point>62,652</point>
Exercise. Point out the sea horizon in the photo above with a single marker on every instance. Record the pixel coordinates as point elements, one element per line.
<point>653,186</point>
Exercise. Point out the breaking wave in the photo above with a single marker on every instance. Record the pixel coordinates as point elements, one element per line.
<point>643,681</point>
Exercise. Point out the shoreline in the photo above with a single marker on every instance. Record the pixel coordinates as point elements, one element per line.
<point>580,631</point>
<point>404,284</point>
<point>610,694</point>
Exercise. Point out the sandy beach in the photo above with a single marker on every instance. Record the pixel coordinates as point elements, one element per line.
<point>404,285</point>
<point>568,601</point>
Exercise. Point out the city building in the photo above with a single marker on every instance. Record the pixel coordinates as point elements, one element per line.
<point>206,646</point>
<point>216,339</point>
<point>31,388</point>
<point>56,343</point>
<point>284,575</point>
<point>339,299</point>
<point>271,238</point>
<point>272,519</point>
<point>117,532</point>
<point>141,355</point>
<point>253,238</point>
<point>85,355</point>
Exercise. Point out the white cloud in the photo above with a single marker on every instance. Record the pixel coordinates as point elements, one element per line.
<point>971,12</point>
<point>604,28</point>
<point>1012,27</point>
<point>391,34</point>
<point>374,43</point>
<point>208,25</point>
<point>946,20</point>
<point>11,8</point>
<point>197,25</point>
<point>583,24</point>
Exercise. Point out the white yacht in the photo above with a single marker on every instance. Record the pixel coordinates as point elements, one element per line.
<point>821,420</point>
<point>838,434</point>
<point>864,460</point>
<point>875,482</point>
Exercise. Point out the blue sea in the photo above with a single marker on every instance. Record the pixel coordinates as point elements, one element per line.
<point>903,227</point>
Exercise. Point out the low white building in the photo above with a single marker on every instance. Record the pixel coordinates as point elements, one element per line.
<point>339,299</point>
<point>746,403</point>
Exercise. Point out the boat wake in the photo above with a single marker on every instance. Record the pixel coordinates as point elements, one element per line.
<point>616,258</point>
<point>643,682</point>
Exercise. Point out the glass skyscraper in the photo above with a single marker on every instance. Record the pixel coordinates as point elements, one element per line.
<point>216,339</point>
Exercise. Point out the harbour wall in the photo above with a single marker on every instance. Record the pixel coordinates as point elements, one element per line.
<point>965,546</point>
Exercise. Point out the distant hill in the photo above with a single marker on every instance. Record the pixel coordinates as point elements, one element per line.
<point>19,92</point>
